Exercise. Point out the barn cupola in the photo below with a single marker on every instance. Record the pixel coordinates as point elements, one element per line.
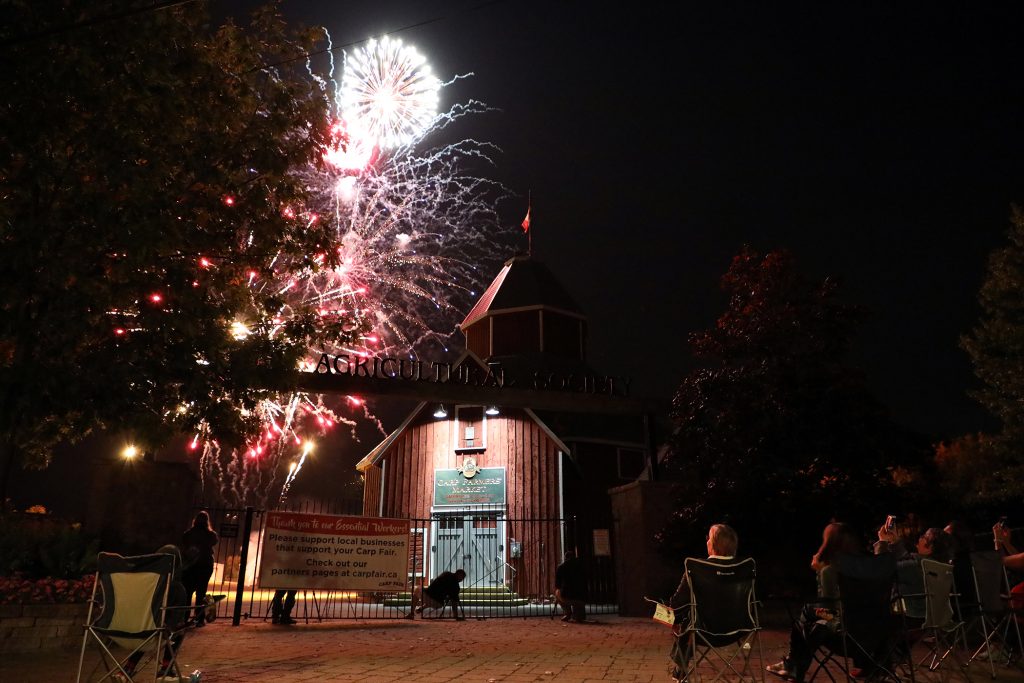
<point>526,312</point>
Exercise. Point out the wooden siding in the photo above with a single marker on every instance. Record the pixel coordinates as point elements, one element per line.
<point>371,491</point>
<point>515,442</point>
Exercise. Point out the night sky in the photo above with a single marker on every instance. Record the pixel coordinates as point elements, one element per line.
<point>879,142</point>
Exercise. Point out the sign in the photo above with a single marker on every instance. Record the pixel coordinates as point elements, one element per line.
<point>602,544</point>
<point>229,530</point>
<point>469,374</point>
<point>330,552</point>
<point>485,487</point>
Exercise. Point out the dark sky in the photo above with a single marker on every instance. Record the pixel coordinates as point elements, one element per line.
<point>880,142</point>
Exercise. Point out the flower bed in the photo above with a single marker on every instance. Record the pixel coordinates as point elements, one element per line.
<point>42,614</point>
<point>15,590</point>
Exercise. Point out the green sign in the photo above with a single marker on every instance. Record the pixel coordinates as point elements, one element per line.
<point>485,487</point>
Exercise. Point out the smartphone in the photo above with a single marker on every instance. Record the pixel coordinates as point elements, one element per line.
<point>890,522</point>
<point>1001,522</point>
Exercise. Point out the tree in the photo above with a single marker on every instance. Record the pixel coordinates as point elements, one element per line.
<point>147,173</point>
<point>996,348</point>
<point>773,432</point>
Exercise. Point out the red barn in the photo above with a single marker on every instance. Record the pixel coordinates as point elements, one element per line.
<point>503,493</point>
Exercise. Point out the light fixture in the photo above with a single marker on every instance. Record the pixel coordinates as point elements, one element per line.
<point>440,412</point>
<point>491,410</point>
<point>129,452</point>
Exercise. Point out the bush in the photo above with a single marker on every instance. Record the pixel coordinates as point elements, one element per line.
<point>36,546</point>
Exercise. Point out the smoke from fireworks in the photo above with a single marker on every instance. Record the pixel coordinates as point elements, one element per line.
<point>411,228</point>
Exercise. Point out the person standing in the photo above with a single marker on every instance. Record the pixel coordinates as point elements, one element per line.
<point>571,588</point>
<point>197,548</point>
<point>281,607</point>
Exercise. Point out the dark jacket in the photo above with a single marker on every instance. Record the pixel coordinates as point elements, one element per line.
<point>197,547</point>
<point>444,588</point>
<point>571,579</point>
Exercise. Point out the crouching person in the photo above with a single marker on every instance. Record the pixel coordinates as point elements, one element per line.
<point>444,588</point>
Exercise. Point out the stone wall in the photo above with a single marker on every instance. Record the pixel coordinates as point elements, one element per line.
<point>35,628</point>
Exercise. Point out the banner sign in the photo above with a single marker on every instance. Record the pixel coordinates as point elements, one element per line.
<point>330,552</point>
<point>485,486</point>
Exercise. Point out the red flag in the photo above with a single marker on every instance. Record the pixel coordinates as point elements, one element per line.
<point>526,221</point>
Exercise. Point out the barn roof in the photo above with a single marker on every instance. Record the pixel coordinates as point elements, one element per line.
<point>523,283</point>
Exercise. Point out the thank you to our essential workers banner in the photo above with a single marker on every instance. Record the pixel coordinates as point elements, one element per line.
<point>330,552</point>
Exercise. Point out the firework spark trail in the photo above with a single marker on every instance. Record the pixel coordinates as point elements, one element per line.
<point>412,229</point>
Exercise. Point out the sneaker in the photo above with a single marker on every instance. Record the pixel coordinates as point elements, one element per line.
<point>567,617</point>
<point>782,670</point>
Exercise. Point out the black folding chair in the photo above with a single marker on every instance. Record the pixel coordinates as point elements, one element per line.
<point>721,620</point>
<point>133,615</point>
<point>994,619</point>
<point>871,632</point>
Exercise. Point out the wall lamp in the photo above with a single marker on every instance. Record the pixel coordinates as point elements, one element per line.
<point>491,410</point>
<point>440,412</point>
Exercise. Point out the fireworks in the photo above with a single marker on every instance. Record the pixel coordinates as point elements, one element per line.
<point>410,228</point>
<point>388,93</point>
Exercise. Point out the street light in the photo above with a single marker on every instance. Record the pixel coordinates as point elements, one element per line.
<point>129,452</point>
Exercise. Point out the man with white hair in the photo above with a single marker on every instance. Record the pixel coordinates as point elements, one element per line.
<point>721,544</point>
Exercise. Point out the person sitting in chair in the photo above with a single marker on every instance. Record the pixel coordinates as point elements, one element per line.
<point>818,620</point>
<point>933,544</point>
<point>176,618</point>
<point>721,545</point>
<point>444,588</point>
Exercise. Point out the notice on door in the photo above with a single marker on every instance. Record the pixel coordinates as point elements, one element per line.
<point>330,552</point>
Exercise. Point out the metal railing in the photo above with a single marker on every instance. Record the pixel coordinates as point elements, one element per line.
<point>510,566</point>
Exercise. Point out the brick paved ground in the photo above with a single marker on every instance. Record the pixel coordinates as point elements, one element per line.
<point>484,651</point>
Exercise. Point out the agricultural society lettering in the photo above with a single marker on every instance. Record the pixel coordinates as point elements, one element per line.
<point>329,552</point>
<point>402,369</point>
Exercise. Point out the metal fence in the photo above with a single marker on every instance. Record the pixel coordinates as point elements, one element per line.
<point>509,563</point>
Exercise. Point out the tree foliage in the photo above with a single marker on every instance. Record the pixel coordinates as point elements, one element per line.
<point>774,431</point>
<point>146,164</point>
<point>996,348</point>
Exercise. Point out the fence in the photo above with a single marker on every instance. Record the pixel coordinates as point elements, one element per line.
<point>509,563</point>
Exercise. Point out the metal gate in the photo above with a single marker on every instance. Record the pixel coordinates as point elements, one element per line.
<point>509,563</point>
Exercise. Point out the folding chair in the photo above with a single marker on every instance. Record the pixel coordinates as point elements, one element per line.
<point>995,617</point>
<point>133,615</point>
<point>722,612</point>
<point>941,629</point>
<point>871,633</point>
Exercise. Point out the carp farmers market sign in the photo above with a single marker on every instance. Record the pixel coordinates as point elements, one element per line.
<point>486,487</point>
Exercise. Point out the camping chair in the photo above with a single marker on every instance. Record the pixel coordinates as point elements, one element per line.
<point>871,633</point>
<point>133,614</point>
<point>941,629</point>
<point>994,619</point>
<point>722,612</point>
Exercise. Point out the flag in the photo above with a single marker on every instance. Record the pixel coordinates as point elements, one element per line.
<point>526,221</point>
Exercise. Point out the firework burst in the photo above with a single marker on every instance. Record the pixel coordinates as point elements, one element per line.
<point>411,226</point>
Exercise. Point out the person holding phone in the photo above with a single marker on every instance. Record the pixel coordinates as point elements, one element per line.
<point>1013,559</point>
